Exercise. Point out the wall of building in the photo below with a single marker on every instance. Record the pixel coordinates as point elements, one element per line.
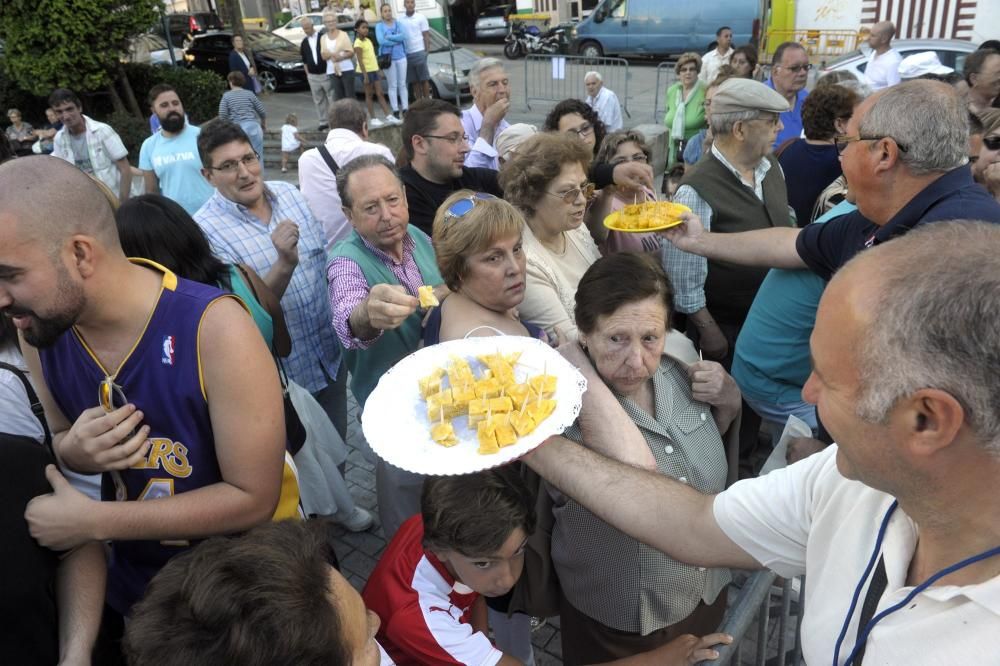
<point>914,19</point>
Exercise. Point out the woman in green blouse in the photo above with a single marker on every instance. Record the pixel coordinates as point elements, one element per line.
<point>685,105</point>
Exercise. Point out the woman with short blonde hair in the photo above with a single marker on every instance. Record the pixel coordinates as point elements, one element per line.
<point>477,240</point>
<point>685,105</point>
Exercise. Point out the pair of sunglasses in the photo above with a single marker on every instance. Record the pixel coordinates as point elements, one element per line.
<point>461,208</point>
<point>111,396</point>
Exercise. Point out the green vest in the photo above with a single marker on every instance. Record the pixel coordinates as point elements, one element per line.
<point>368,365</point>
<point>730,288</point>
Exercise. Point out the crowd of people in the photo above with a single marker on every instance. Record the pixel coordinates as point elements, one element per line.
<point>177,346</point>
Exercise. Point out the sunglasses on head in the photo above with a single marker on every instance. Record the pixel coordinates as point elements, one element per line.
<point>462,207</point>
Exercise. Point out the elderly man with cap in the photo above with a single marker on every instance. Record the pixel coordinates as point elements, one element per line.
<point>738,186</point>
<point>512,137</point>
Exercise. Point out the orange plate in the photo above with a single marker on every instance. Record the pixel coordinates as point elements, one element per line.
<point>674,211</point>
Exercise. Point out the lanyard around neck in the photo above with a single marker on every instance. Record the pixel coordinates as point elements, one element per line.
<point>863,635</point>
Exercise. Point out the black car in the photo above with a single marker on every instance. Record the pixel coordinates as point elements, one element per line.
<point>278,61</point>
<point>185,25</point>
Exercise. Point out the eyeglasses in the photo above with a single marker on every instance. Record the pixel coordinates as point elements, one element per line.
<point>842,141</point>
<point>634,157</point>
<point>231,167</point>
<point>688,69</point>
<point>992,142</point>
<point>462,207</point>
<point>581,131</point>
<point>571,196</point>
<point>796,68</point>
<point>451,138</point>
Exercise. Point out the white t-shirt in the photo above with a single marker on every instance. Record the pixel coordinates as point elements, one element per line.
<point>414,28</point>
<point>883,70</point>
<point>288,141</point>
<point>807,518</point>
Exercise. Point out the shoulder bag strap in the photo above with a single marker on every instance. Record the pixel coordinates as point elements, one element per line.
<point>328,158</point>
<point>281,342</point>
<point>36,404</point>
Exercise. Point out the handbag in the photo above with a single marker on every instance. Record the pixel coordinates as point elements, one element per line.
<point>255,82</point>
<point>385,61</point>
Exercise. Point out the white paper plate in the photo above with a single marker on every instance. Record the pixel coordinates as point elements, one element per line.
<point>395,418</point>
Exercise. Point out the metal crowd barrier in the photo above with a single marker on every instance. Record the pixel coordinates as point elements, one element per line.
<point>665,77</point>
<point>821,45</point>
<point>553,78</point>
<point>753,609</point>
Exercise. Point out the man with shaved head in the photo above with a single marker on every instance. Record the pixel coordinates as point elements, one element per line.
<point>883,63</point>
<point>163,384</point>
<point>897,526</point>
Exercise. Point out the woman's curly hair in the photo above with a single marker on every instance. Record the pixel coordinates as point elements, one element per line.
<point>538,161</point>
<point>568,106</point>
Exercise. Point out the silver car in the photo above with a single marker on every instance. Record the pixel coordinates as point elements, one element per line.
<point>951,53</point>
<point>492,22</point>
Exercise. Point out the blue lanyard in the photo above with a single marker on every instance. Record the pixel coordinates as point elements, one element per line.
<point>863,637</point>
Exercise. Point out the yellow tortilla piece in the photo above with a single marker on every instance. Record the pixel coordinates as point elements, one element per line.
<point>427,297</point>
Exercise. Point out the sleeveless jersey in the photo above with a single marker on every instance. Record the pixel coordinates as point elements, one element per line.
<point>161,376</point>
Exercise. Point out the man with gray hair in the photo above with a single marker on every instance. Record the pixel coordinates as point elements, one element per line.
<point>603,100</point>
<point>486,118</point>
<point>737,187</point>
<point>374,275</point>
<point>318,70</point>
<point>905,157</point>
<point>883,64</point>
<point>318,167</point>
<point>900,516</point>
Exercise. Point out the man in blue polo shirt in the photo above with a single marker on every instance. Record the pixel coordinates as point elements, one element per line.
<point>169,158</point>
<point>789,74</point>
<point>905,158</point>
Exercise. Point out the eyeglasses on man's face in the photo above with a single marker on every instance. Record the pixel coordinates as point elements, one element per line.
<point>570,196</point>
<point>842,141</point>
<point>796,68</point>
<point>231,167</point>
<point>450,138</point>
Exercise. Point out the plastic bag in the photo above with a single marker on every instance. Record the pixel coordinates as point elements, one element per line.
<point>794,427</point>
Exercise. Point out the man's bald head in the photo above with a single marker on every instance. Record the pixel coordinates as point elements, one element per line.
<point>50,200</point>
<point>929,326</point>
<point>881,36</point>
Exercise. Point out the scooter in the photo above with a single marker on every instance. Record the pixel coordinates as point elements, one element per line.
<point>522,40</point>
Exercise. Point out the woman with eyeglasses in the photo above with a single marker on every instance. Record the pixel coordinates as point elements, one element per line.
<point>547,180</point>
<point>685,105</point>
<point>479,248</point>
<point>986,169</point>
<point>618,148</point>
<point>577,119</point>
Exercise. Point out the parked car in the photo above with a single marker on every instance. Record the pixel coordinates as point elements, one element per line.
<point>152,49</point>
<point>657,27</point>
<point>493,22</point>
<point>182,27</point>
<point>279,64</point>
<point>443,77</point>
<point>951,53</point>
<point>292,31</point>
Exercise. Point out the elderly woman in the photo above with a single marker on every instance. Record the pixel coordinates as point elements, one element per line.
<point>547,180</point>
<point>619,596</point>
<point>685,105</point>
<point>20,134</point>
<point>577,119</point>
<point>618,148</point>
<point>478,243</point>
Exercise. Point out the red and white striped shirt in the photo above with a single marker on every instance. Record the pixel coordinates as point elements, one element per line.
<point>425,612</point>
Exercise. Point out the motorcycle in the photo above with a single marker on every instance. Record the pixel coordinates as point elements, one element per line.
<point>522,40</point>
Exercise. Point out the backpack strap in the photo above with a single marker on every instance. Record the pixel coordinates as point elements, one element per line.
<point>328,158</point>
<point>36,404</point>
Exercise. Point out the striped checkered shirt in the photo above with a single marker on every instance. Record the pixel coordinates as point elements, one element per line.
<point>237,236</point>
<point>687,271</point>
<point>349,286</point>
<point>611,577</point>
<point>240,106</point>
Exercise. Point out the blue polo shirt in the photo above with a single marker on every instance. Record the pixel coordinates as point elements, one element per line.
<point>954,196</point>
<point>791,119</point>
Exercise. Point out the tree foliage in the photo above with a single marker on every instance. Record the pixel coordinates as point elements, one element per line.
<point>77,44</point>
